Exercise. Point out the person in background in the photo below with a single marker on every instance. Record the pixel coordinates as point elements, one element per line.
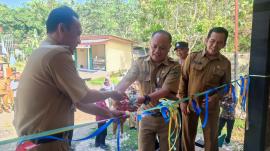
<point>6,94</point>
<point>13,86</point>
<point>100,139</point>
<point>108,86</point>
<point>181,49</point>
<point>227,116</point>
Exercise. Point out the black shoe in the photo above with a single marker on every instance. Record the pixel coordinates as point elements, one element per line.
<point>104,146</point>
<point>227,141</point>
<point>97,145</point>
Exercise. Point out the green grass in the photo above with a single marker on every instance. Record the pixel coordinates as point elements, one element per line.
<point>99,81</point>
<point>96,81</point>
<point>132,143</point>
<point>239,123</point>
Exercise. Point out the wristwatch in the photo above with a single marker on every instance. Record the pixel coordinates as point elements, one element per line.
<point>147,99</point>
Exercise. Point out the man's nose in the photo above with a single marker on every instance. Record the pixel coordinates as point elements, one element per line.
<point>158,49</point>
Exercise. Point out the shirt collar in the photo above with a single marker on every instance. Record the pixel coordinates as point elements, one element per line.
<point>51,41</point>
<point>165,62</point>
<point>212,57</point>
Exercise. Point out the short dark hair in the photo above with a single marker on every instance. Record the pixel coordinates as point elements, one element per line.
<point>163,32</point>
<point>218,30</point>
<point>63,14</point>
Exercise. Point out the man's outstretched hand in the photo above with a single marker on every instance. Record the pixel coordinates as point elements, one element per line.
<point>118,96</point>
<point>116,113</point>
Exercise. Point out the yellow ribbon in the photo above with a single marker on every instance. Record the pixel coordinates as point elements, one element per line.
<point>174,114</point>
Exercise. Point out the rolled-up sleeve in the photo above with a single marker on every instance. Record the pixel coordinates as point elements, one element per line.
<point>133,73</point>
<point>66,77</point>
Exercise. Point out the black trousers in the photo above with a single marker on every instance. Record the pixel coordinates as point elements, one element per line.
<point>70,135</point>
<point>100,139</point>
<point>230,123</point>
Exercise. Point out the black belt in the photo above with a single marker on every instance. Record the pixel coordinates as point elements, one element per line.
<point>48,140</point>
<point>156,114</point>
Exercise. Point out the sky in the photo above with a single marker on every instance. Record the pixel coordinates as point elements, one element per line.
<point>18,3</point>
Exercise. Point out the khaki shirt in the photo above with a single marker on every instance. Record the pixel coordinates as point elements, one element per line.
<point>151,78</point>
<point>201,73</point>
<point>49,86</point>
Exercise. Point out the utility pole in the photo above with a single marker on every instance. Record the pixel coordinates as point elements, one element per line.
<point>236,39</point>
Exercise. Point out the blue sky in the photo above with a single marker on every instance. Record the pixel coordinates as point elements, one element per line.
<point>18,3</point>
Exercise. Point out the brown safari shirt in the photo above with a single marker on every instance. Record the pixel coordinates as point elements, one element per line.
<point>151,77</point>
<point>48,88</point>
<point>201,73</point>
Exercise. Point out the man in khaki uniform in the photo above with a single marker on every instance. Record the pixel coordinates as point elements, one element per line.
<point>202,71</point>
<point>50,87</point>
<point>158,77</point>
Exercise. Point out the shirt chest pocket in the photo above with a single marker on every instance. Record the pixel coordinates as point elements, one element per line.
<point>144,76</point>
<point>161,77</point>
<point>196,68</point>
<point>217,75</point>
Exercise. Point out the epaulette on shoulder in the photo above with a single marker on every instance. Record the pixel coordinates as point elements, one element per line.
<point>196,52</point>
<point>143,57</point>
<point>171,60</point>
<point>225,58</point>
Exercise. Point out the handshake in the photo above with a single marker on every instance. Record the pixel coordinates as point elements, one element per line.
<point>121,102</point>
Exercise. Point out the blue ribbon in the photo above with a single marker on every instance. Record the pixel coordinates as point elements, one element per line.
<point>145,113</point>
<point>95,133</point>
<point>165,114</point>
<point>242,85</point>
<point>206,110</point>
<point>196,107</point>
<point>118,134</point>
<point>226,89</point>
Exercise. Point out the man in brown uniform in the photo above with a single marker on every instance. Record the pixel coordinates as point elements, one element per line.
<point>50,87</point>
<point>202,71</point>
<point>158,77</point>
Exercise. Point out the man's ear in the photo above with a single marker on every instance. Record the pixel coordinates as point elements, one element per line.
<point>61,28</point>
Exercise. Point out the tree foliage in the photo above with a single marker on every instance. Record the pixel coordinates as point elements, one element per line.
<point>187,20</point>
